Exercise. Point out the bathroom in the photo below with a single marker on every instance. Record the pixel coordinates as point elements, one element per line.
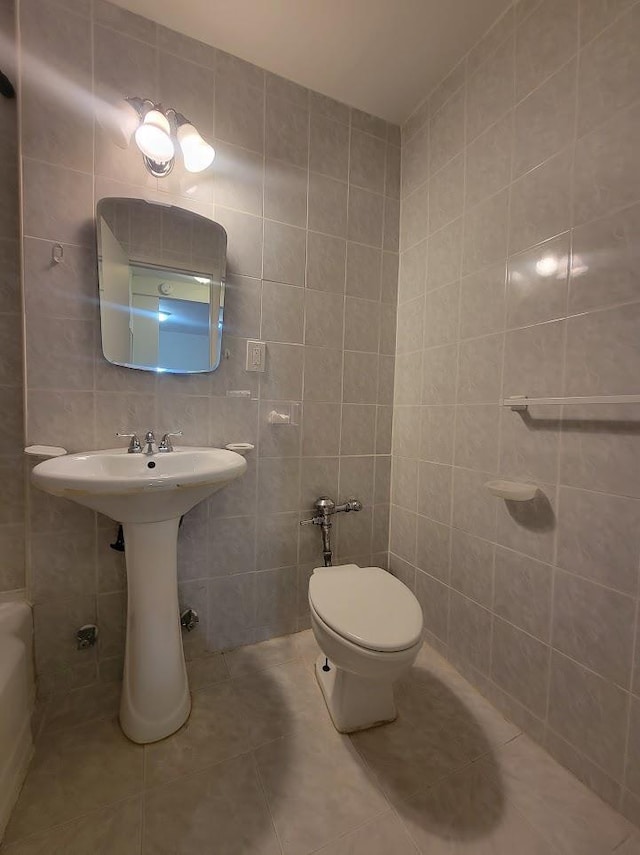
<point>416,240</point>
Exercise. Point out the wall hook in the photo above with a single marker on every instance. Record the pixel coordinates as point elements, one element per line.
<point>57,253</point>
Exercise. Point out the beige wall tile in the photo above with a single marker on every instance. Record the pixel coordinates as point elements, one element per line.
<point>415,161</point>
<point>285,193</point>
<point>488,161</point>
<point>476,437</point>
<point>446,131</point>
<point>595,15</point>
<point>434,599</point>
<point>522,592</point>
<point>363,271</point>
<point>282,312</point>
<point>486,233</point>
<point>520,665</point>
<point>540,203</point>
<point>239,113</point>
<point>598,537</point>
<point>286,131</point>
<point>326,259</point>
<point>544,42</point>
<point>473,509</point>
<point>490,89</point>
<point>537,282</point>
<point>608,340</point>
<point>446,194</point>
<point>609,72</point>
<point>588,712</point>
<point>603,270</point>
<point>367,157</point>
<point>594,626</point>
<point>328,206</point>
<point>328,147</point>
<point>365,217</point>
<point>605,174</point>
<point>470,631</point>
<point>544,120</point>
<point>472,567</point>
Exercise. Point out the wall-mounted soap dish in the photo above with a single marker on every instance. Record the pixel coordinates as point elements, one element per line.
<point>513,491</point>
<point>45,451</point>
<point>288,413</point>
<point>242,448</point>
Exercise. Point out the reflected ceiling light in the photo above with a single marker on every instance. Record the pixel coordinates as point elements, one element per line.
<point>547,265</point>
<point>203,280</point>
<point>155,135</point>
<point>163,316</point>
<point>579,266</point>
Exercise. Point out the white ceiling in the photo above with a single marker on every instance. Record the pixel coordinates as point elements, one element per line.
<point>382,56</point>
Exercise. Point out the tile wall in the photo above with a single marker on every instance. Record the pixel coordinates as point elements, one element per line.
<point>11,385</point>
<point>519,275</point>
<point>308,191</point>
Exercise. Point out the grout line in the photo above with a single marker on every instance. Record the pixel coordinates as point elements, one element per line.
<point>263,789</point>
<point>634,666</point>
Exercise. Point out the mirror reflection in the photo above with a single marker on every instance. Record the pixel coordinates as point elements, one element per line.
<point>161,277</point>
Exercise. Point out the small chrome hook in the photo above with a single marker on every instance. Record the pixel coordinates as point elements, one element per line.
<point>57,253</point>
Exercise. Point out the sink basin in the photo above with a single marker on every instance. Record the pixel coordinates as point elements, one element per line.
<point>139,488</point>
<point>148,494</point>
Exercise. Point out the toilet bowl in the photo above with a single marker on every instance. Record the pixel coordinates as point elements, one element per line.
<point>368,625</point>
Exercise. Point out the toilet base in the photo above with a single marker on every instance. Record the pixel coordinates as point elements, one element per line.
<point>355,703</point>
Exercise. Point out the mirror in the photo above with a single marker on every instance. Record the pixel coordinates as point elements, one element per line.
<point>161,273</point>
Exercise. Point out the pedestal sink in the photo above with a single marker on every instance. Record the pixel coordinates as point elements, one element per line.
<point>147,493</point>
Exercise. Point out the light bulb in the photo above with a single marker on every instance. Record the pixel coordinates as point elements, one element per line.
<point>152,137</point>
<point>196,152</point>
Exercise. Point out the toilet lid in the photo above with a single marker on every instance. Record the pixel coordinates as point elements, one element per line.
<point>366,605</point>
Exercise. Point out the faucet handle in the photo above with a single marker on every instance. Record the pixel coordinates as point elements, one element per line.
<point>135,446</point>
<point>165,443</point>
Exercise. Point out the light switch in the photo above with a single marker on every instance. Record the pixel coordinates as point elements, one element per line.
<point>256,352</point>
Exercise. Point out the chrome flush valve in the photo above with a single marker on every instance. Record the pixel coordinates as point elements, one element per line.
<point>326,508</point>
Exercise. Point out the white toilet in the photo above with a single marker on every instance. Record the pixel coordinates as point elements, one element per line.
<point>368,625</point>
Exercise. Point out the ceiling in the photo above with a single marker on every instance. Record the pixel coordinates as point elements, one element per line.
<point>382,56</point>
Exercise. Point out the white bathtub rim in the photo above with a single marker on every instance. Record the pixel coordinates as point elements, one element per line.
<point>12,778</point>
<point>16,638</point>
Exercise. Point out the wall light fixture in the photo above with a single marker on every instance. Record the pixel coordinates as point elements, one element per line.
<point>155,135</point>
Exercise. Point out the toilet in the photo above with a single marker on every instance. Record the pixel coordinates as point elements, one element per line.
<point>368,625</point>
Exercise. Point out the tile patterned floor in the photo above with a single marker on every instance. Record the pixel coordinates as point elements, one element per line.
<point>259,770</point>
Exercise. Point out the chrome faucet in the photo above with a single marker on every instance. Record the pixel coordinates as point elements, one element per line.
<point>166,445</point>
<point>149,442</point>
<point>326,508</point>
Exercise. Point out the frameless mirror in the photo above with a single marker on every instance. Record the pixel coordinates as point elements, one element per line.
<point>161,276</point>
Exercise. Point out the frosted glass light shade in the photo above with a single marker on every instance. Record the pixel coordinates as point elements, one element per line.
<point>153,139</point>
<point>197,153</point>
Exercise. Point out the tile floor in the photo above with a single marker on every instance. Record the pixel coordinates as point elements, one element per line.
<point>259,770</point>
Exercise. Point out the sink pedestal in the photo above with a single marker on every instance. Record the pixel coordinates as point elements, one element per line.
<point>155,698</point>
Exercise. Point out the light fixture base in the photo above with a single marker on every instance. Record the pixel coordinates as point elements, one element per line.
<point>158,170</point>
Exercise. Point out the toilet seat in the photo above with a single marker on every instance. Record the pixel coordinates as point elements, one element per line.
<point>366,606</point>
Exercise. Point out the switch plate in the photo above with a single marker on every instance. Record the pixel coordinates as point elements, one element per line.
<point>256,353</point>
